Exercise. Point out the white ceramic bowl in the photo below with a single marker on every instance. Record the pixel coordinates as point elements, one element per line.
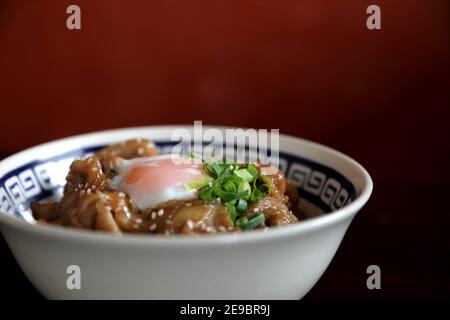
<point>282,263</point>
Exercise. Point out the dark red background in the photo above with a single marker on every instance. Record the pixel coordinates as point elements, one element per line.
<point>310,68</point>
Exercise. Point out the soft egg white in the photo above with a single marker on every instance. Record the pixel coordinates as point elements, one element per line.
<point>151,181</point>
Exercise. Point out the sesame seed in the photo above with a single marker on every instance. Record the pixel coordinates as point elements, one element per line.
<point>153,214</point>
<point>190,224</point>
<point>121,195</point>
<point>88,191</point>
<point>82,192</point>
<point>140,151</point>
<point>152,227</point>
<point>222,228</point>
<point>93,188</point>
<point>94,169</point>
<point>169,222</point>
<point>138,220</point>
<point>210,229</point>
<point>255,210</point>
<point>160,212</point>
<point>135,226</point>
<point>188,204</point>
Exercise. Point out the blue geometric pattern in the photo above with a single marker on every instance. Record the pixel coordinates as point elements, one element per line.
<point>42,179</point>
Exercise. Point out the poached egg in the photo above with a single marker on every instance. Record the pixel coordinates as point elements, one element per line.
<point>150,181</point>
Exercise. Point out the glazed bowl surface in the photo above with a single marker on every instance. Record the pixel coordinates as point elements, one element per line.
<point>282,263</point>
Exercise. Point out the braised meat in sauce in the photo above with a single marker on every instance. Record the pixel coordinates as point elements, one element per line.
<point>129,188</point>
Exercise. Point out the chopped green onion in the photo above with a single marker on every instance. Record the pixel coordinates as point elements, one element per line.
<point>224,195</point>
<point>243,174</point>
<point>249,224</point>
<point>256,221</point>
<point>244,190</point>
<point>227,169</point>
<point>199,183</point>
<point>213,169</point>
<point>231,211</point>
<point>256,195</point>
<point>236,186</point>
<point>229,186</point>
<point>233,179</point>
<point>267,186</point>
<point>241,221</point>
<point>251,168</point>
<point>217,169</point>
<point>206,194</point>
<point>241,205</point>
